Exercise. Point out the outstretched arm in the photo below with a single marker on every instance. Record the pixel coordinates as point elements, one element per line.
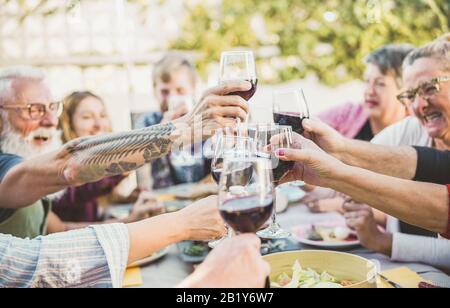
<point>421,204</point>
<point>90,159</point>
<point>399,162</point>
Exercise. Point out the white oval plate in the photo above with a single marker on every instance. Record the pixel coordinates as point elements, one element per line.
<point>299,237</point>
<point>156,256</point>
<point>329,245</point>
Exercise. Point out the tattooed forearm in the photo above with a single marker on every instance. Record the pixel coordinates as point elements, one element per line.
<point>119,153</point>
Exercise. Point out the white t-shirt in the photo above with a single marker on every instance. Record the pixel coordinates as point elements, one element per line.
<point>408,132</point>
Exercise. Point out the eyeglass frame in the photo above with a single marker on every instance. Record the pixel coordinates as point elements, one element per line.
<point>435,82</point>
<point>58,113</point>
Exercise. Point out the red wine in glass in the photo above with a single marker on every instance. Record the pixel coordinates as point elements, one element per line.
<point>290,119</point>
<point>247,95</point>
<point>290,108</point>
<point>281,169</point>
<point>247,214</point>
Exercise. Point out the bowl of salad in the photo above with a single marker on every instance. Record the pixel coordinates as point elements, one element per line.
<point>320,269</point>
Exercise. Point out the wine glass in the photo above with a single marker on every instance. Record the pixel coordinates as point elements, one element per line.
<point>176,101</point>
<point>226,144</point>
<point>269,138</point>
<point>185,159</point>
<point>246,208</point>
<point>290,108</point>
<point>239,66</point>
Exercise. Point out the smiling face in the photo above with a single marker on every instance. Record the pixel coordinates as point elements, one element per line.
<point>434,112</point>
<point>90,118</point>
<point>22,135</point>
<point>380,92</point>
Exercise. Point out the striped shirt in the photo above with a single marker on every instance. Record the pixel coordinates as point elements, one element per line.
<point>94,257</point>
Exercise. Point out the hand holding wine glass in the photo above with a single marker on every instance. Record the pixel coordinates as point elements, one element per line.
<point>239,66</point>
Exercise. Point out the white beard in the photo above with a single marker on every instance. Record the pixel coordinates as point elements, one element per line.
<point>14,143</point>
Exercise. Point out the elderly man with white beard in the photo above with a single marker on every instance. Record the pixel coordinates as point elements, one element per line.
<point>27,133</point>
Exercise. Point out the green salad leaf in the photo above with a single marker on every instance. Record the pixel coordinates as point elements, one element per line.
<point>305,279</point>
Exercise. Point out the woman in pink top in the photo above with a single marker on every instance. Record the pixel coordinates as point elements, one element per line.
<point>380,109</point>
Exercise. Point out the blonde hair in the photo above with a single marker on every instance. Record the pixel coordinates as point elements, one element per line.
<point>71,104</point>
<point>171,63</point>
<point>438,50</point>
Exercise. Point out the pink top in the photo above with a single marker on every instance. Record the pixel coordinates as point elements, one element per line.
<point>348,119</point>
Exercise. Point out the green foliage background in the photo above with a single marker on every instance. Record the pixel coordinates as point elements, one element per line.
<point>328,38</point>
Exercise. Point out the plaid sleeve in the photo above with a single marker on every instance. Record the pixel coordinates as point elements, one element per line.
<point>447,235</point>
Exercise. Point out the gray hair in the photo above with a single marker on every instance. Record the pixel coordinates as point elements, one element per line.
<point>389,59</point>
<point>9,75</point>
<point>438,50</point>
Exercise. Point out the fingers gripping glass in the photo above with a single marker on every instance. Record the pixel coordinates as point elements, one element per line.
<point>37,111</point>
<point>426,91</point>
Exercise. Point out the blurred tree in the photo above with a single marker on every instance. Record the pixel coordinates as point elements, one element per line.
<point>295,38</point>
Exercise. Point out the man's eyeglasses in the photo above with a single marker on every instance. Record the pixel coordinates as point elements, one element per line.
<point>37,111</point>
<point>425,91</point>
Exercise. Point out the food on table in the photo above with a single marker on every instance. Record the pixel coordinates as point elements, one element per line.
<point>313,235</point>
<point>197,249</point>
<point>337,234</point>
<point>308,278</point>
<point>341,234</point>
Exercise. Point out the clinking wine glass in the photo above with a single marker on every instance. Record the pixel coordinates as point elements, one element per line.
<point>186,157</point>
<point>239,66</point>
<point>269,138</point>
<point>229,145</point>
<point>246,208</point>
<point>290,108</point>
<point>226,143</point>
